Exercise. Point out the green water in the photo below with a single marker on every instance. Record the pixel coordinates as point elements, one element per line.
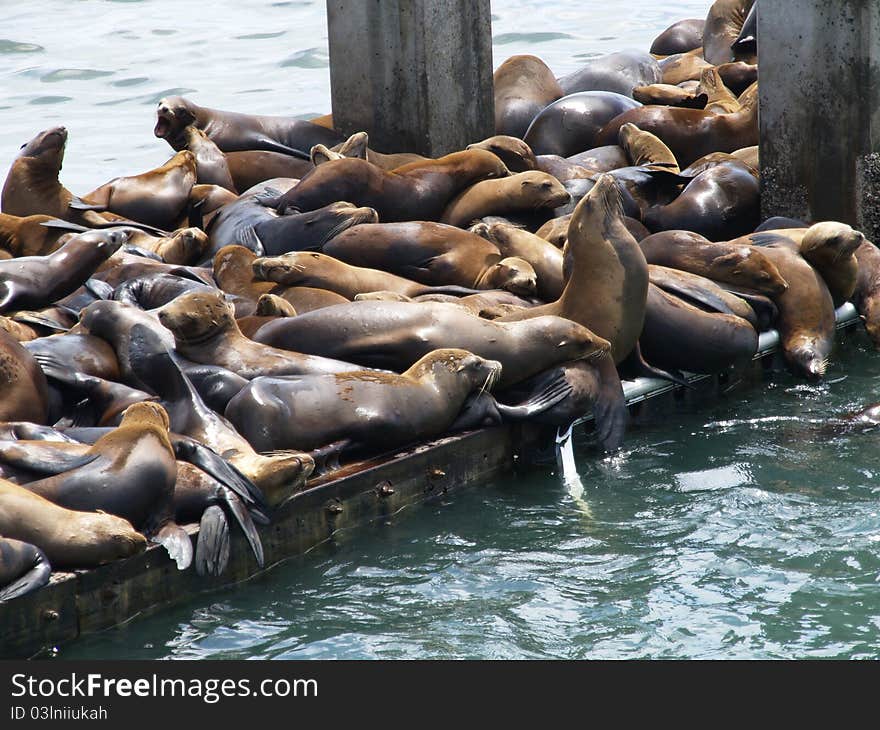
<point>740,527</point>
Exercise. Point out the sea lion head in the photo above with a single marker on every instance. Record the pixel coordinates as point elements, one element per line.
<point>104,242</point>
<point>572,341</point>
<point>197,316</point>
<point>512,151</point>
<point>184,246</point>
<point>291,268</point>
<point>750,268</point>
<point>146,413</point>
<point>542,190</point>
<point>840,238</point>
<point>48,147</point>
<point>599,210</point>
<point>354,146</point>
<point>271,305</point>
<point>513,274</point>
<point>331,220</point>
<point>113,537</point>
<point>463,365</point>
<point>173,115</point>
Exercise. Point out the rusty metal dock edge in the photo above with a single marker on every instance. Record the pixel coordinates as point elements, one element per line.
<point>83,602</point>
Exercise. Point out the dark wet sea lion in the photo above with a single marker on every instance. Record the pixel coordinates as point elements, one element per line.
<point>680,336</point>
<point>252,167</point>
<point>603,259</point>
<point>379,411</point>
<point>393,335</point>
<point>308,268</point>
<point>746,43</point>
<point>154,290</point>
<point>525,191</point>
<point>680,37</point>
<point>692,133</point>
<point>740,265</point>
<point>721,203</point>
<point>602,159</point>
<point>563,169</point>
<point>572,124</point>
<point>724,23</point>
<point>23,389</point>
<point>524,85</point>
<point>544,257</point>
<point>512,151</point>
<point>738,76</point>
<point>130,473</point>
<point>205,331</point>
<point>276,476</point>
<point>23,568</point>
<point>434,254</point>
<point>619,72</point>
<point>158,197</point>
<point>701,292</point>
<point>69,539</point>
<point>867,294</point>
<point>232,131</point>
<point>81,352</point>
<point>418,191</point>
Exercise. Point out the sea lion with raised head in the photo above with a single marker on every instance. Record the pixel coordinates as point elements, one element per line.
<point>724,23</point>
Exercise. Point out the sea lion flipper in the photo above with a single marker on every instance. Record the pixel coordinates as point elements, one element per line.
<point>190,450</point>
<point>268,197</point>
<point>243,517</point>
<point>175,540</point>
<point>43,457</point>
<point>98,289</point>
<point>270,145</point>
<point>610,413</point>
<point>552,393</point>
<point>41,319</point>
<point>212,549</point>
<point>35,578</point>
<point>80,204</point>
<point>640,367</point>
<point>64,225</point>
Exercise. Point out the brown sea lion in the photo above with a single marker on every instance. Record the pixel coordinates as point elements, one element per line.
<point>367,409</point>
<point>545,258</point>
<point>512,151</point>
<point>524,85</point>
<point>319,270</point>
<point>184,246</point>
<point>158,197</point>
<point>393,335</point>
<point>232,131</point>
<point>23,389</point>
<point>669,95</point>
<point>524,191</point>
<point>31,282</point>
<point>19,331</point>
<point>719,98</point>
<point>418,191</point>
<point>740,265</point>
<point>749,155</point>
<point>205,331</point>
<point>738,75</point>
<point>645,149</point>
<point>252,167</point>
<point>723,26</point>
<point>564,170</point>
<point>211,165</point>
<point>682,67</point>
<point>692,133</point>
<point>26,236</point>
<point>130,473</point>
<point>23,568</point>
<point>357,145</point>
<point>866,297</point>
<point>680,37</point>
<point>430,253</point>
<point>602,258</point>
<point>69,539</point>
<point>271,305</point>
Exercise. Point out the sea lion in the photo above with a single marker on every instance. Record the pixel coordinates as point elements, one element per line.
<point>724,23</point>
<point>418,191</point>
<point>80,352</point>
<point>27,236</point>
<point>645,149</point>
<point>182,247</point>
<point>434,254</point>
<point>69,539</point>
<point>692,133</point>
<point>23,388</point>
<point>158,197</point>
<point>544,257</point>
<point>367,409</point>
<point>571,125</point>
<point>393,335</point>
<point>738,75</point>
<point>601,159</point>
<point>669,95</point>
<point>232,131</point>
<point>746,43</point>
<point>205,331</point>
<point>271,305</point>
<point>357,145</point>
<point>739,265</point>
<point>680,336</point>
<point>252,167</point>
<point>23,568</point>
<point>277,476</point>
<point>325,272</point>
<point>211,165</point>
<point>512,151</point>
<point>524,191</point>
<point>150,291</point>
<point>681,68</point>
<point>701,292</point>
<point>524,85</point>
<point>719,98</point>
<point>750,156</point>
<point>680,37</point>
<point>19,331</point>
<point>602,258</point>
<point>618,72</point>
<point>129,473</point>
<point>866,297</point>
<point>720,204</point>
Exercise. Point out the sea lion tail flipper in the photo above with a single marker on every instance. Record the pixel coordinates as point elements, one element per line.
<point>42,457</point>
<point>54,368</point>
<point>176,541</point>
<point>79,204</point>
<point>64,225</point>
<point>248,238</point>
<point>270,145</point>
<point>212,548</point>
<point>641,368</point>
<point>268,197</point>
<point>610,413</point>
<point>326,458</point>
<point>35,578</point>
<point>99,289</point>
<point>552,393</point>
<point>245,521</point>
<point>190,450</point>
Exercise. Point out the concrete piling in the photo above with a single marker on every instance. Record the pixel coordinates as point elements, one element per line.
<point>416,75</point>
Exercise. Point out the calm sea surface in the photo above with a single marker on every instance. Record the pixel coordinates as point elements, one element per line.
<point>736,528</point>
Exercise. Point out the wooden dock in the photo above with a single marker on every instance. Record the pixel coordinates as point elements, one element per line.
<point>83,602</point>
